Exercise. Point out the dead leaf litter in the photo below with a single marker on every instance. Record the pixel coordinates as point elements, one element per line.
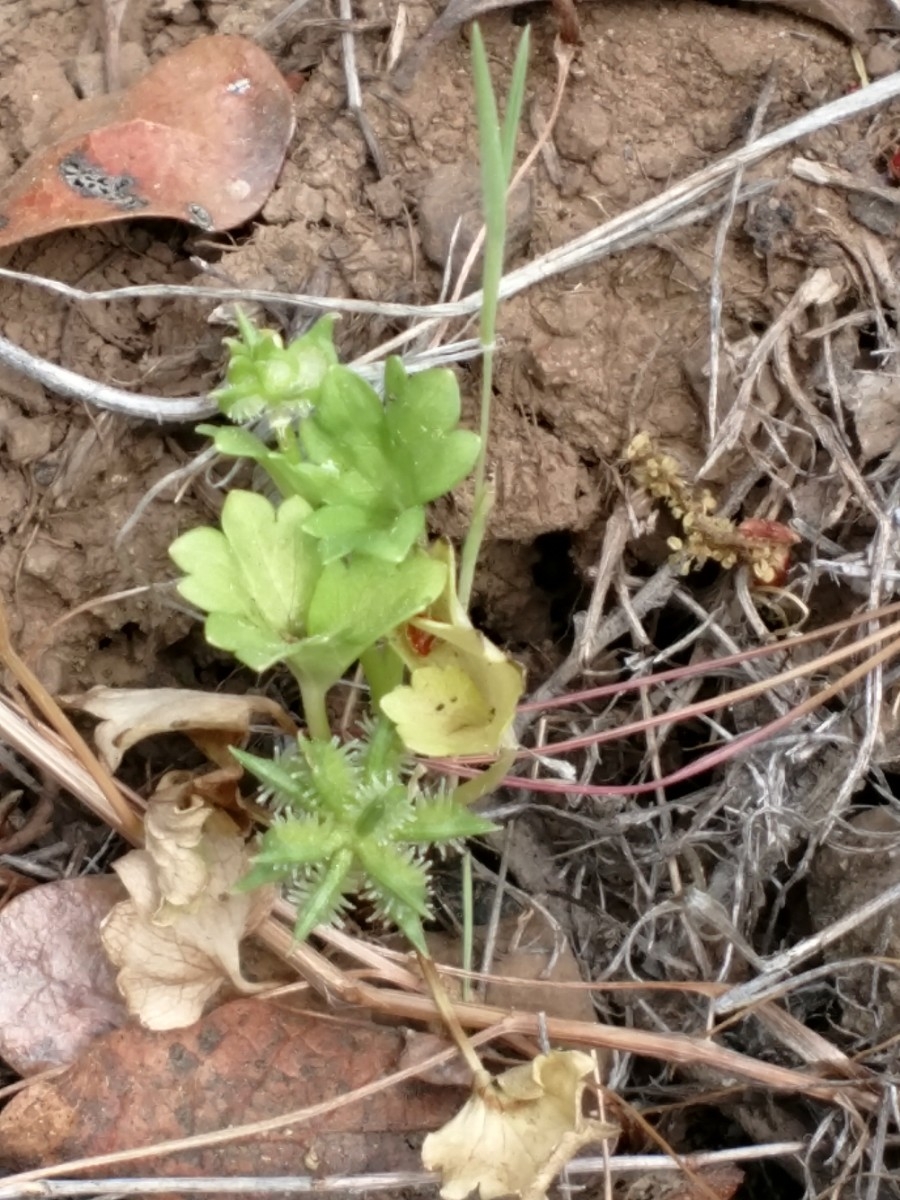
<point>775,871</point>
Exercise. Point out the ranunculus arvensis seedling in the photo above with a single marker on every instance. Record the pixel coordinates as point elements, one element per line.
<point>338,571</point>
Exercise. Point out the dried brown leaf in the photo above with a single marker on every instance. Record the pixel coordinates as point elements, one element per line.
<point>128,715</point>
<point>201,137</point>
<point>507,1133</point>
<point>176,939</point>
<point>248,1060</point>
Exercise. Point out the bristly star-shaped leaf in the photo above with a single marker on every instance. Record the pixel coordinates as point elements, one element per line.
<point>350,823</point>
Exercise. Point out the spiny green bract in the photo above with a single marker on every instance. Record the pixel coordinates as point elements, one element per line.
<point>348,822</point>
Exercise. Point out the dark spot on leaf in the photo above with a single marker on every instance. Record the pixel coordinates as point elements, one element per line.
<point>91,180</point>
<point>184,1115</point>
<point>209,1039</point>
<point>181,1059</point>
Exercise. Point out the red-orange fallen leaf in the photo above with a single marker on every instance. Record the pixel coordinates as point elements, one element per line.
<point>246,1061</point>
<point>200,138</point>
<point>57,987</point>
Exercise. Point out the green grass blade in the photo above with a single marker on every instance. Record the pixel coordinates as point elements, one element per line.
<point>497,149</point>
<point>514,102</point>
<point>493,183</point>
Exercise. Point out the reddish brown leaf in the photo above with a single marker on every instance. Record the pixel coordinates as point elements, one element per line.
<point>200,138</point>
<point>247,1061</point>
<point>57,988</point>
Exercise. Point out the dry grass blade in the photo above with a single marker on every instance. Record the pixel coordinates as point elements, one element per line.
<point>620,1165</point>
<point>113,14</point>
<point>325,976</point>
<point>121,816</point>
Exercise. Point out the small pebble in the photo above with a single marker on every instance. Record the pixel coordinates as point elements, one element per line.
<point>883,59</point>
<point>453,193</point>
<point>584,128</point>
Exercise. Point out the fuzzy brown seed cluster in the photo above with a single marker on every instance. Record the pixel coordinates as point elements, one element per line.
<point>764,546</point>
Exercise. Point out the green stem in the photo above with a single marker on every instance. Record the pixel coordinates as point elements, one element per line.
<point>484,496</point>
<point>383,668</point>
<point>314,711</point>
<point>497,143</point>
<point>468,906</point>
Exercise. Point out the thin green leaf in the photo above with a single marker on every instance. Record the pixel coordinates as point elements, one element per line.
<point>443,820</point>
<point>323,903</point>
<point>297,843</point>
<point>515,99</point>
<point>282,775</point>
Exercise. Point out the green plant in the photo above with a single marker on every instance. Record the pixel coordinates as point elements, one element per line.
<point>497,143</point>
<point>340,570</point>
<point>352,820</point>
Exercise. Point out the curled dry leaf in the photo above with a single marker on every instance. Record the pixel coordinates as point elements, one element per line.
<point>200,138</point>
<point>182,851</point>
<point>57,989</point>
<point>128,715</point>
<point>176,939</point>
<point>507,1134</point>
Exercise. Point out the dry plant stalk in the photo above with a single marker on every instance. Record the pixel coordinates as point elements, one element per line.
<point>326,977</point>
<point>762,545</point>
